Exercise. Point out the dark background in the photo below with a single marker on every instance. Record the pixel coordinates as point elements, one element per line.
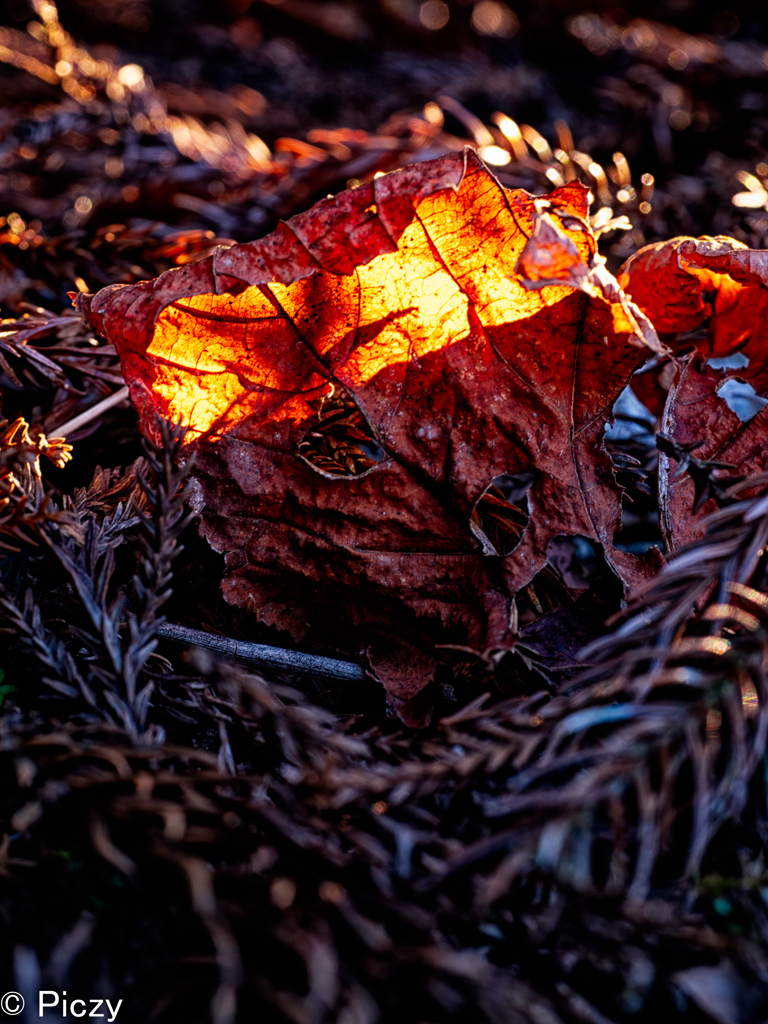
<point>327,64</point>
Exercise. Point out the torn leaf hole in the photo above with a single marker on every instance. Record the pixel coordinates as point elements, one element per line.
<point>736,361</point>
<point>631,444</point>
<point>638,478</point>
<point>500,515</point>
<point>574,566</point>
<point>340,442</point>
<point>632,419</point>
<point>575,559</point>
<point>741,398</point>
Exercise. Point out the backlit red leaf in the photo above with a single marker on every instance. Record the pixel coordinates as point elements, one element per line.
<point>474,332</point>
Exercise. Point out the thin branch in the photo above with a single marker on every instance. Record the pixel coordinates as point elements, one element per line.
<point>264,656</point>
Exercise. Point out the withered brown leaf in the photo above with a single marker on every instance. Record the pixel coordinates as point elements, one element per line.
<point>708,299</point>
<point>479,335</point>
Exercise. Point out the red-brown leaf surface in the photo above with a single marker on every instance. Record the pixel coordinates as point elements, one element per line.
<point>478,334</point>
<point>710,293</point>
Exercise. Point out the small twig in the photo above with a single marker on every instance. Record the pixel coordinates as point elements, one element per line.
<point>263,655</point>
<point>90,414</point>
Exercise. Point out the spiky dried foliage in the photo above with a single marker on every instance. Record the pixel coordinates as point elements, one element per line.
<point>661,82</point>
<point>325,871</point>
<point>319,933</point>
<point>24,505</point>
<point>111,642</point>
<point>662,741</point>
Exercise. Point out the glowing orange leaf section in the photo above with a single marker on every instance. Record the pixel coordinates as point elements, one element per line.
<point>220,359</point>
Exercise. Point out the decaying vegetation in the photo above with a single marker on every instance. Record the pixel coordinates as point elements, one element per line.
<point>578,832</point>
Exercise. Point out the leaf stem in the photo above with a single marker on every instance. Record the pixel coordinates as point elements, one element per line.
<point>90,414</point>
